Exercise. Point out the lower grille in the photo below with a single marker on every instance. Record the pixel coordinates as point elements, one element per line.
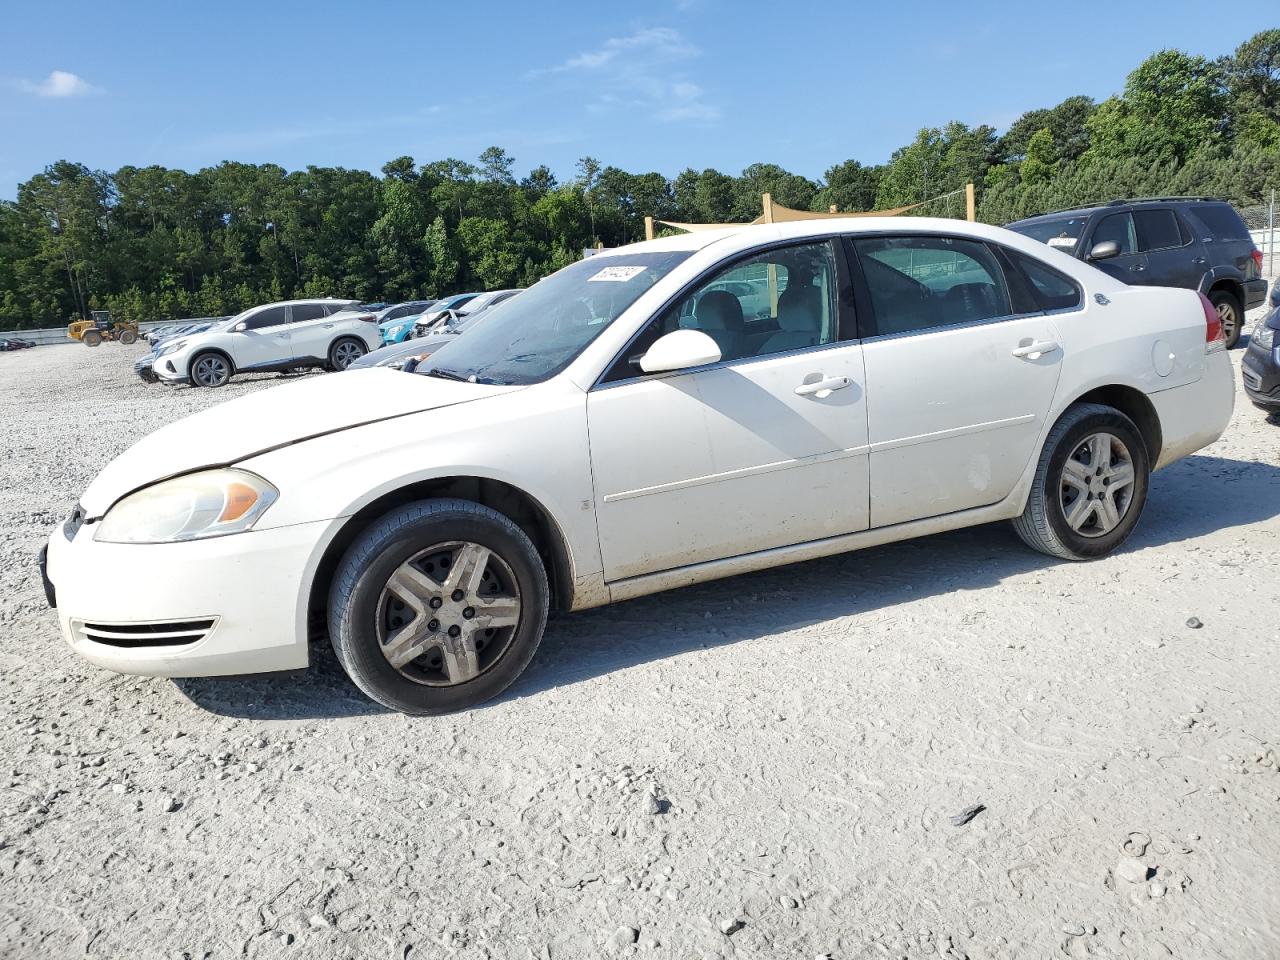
<point>1251,379</point>
<point>172,633</point>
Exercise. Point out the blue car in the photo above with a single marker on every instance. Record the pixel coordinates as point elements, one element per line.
<point>396,322</point>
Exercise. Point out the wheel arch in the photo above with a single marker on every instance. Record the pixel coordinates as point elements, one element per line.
<point>1135,405</point>
<point>1226,278</point>
<point>200,351</point>
<point>526,511</point>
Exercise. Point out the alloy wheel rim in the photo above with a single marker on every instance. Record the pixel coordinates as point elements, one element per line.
<point>448,614</point>
<point>347,354</point>
<point>1227,314</point>
<point>1096,490</point>
<point>210,371</point>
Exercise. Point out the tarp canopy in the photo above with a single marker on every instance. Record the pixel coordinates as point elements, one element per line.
<point>777,213</point>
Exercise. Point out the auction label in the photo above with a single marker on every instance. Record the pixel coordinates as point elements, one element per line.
<point>616,274</point>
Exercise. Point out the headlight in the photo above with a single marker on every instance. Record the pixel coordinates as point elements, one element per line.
<point>1263,336</point>
<point>169,348</point>
<point>212,503</point>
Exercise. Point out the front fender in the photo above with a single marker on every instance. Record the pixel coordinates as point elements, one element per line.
<point>534,440</point>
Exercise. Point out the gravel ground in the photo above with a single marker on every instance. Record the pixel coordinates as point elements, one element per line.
<point>761,767</point>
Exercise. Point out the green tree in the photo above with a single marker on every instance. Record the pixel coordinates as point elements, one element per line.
<point>1172,105</point>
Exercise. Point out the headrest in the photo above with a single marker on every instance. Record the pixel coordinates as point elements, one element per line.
<point>800,309</point>
<point>719,310</point>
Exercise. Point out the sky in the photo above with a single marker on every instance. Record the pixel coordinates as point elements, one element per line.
<point>663,85</point>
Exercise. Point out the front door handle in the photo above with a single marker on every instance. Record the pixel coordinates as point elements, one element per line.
<point>822,388</point>
<point>1137,268</point>
<point>1034,351</point>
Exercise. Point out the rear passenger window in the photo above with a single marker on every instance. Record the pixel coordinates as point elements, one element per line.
<point>1117,227</point>
<point>917,283</point>
<point>1050,289</point>
<point>1156,230</point>
<point>307,311</point>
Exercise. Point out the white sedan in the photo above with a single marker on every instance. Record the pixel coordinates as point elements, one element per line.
<point>275,336</point>
<point>663,414</point>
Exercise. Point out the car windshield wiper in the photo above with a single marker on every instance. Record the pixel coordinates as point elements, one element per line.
<point>444,374</point>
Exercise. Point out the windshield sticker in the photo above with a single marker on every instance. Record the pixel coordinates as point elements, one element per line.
<point>616,274</point>
<point>1061,241</point>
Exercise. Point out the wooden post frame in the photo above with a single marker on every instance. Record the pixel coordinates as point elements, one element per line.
<point>648,228</point>
<point>970,203</point>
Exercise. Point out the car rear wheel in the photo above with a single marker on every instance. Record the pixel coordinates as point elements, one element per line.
<point>1090,485</point>
<point>345,352</point>
<point>438,606</point>
<point>1230,313</point>
<point>210,370</point>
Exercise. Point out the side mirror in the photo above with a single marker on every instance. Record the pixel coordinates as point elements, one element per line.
<point>240,328</point>
<point>680,350</point>
<point>1104,250</point>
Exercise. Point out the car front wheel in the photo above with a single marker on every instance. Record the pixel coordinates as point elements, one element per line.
<point>210,370</point>
<point>1090,485</point>
<point>438,606</point>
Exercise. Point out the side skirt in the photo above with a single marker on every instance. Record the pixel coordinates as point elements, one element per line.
<point>778,556</point>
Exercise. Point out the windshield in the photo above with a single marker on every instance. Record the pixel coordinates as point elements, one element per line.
<point>1061,233</point>
<point>529,338</point>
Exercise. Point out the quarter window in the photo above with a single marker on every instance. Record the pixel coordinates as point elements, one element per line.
<point>1156,230</point>
<point>1050,289</point>
<point>921,282</point>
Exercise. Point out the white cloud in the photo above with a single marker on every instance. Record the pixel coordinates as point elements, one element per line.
<point>59,83</point>
<point>639,72</point>
<point>661,42</point>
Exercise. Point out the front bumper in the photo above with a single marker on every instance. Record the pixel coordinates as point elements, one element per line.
<point>1260,372</point>
<point>144,369</point>
<point>171,369</point>
<point>251,588</point>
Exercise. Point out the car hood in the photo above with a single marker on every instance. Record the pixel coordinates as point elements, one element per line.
<point>283,415</point>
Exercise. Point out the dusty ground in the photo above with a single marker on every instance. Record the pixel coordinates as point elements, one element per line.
<point>761,767</point>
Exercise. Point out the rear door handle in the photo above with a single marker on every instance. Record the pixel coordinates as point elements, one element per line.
<point>328,326</point>
<point>1137,268</point>
<point>822,388</point>
<point>1199,260</point>
<point>1034,351</point>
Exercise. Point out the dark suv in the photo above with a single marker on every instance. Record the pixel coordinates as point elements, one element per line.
<point>1195,242</point>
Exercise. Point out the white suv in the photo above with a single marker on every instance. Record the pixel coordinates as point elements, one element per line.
<point>275,336</point>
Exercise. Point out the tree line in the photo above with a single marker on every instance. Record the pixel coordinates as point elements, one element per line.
<point>154,243</point>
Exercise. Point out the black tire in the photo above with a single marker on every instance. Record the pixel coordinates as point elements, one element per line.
<point>1043,524</point>
<point>362,579</point>
<point>92,338</point>
<point>209,369</point>
<point>1232,314</point>
<point>345,351</point>
<point>127,337</point>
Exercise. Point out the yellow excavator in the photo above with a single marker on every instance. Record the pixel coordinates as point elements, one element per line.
<point>92,332</point>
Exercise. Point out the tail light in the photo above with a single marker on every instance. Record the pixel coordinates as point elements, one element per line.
<point>1257,259</point>
<point>1215,337</point>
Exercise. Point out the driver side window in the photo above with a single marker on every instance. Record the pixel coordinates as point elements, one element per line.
<point>270,317</point>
